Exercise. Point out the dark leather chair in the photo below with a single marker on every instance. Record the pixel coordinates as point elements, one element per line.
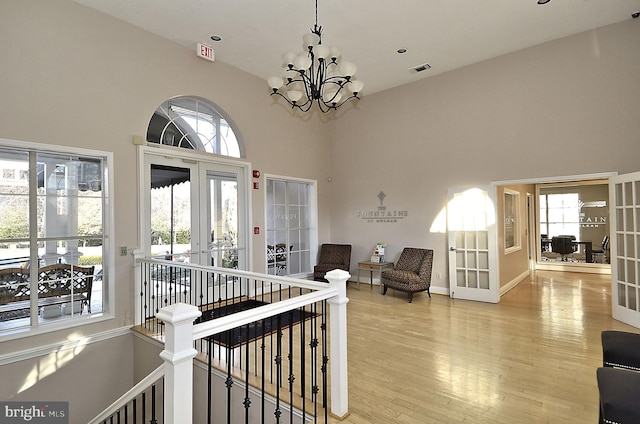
<point>619,393</point>
<point>619,379</point>
<point>412,272</point>
<point>332,256</point>
<point>563,245</point>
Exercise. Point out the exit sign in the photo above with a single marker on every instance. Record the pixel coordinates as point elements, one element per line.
<point>205,52</point>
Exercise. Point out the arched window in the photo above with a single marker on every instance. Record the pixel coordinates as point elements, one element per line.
<point>193,123</point>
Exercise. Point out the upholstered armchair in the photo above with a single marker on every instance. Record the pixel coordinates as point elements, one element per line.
<point>332,256</point>
<point>412,272</point>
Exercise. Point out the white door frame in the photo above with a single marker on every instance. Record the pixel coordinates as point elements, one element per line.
<point>187,159</point>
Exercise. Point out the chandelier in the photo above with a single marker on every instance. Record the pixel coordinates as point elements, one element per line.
<point>316,75</point>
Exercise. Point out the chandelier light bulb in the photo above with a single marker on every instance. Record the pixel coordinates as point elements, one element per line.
<point>322,52</point>
<point>275,82</point>
<point>294,95</point>
<point>356,86</point>
<point>310,40</point>
<point>348,69</point>
<point>335,52</point>
<point>288,58</point>
<point>302,62</point>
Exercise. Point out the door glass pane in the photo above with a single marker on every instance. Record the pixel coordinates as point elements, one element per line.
<point>473,280</point>
<point>460,238</point>
<point>631,272</point>
<point>471,241</point>
<point>621,268</point>
<point>460,259</point>
<point>484,280</point>
<point>471,260</point>
<point>461,278</point>
<point>622,298</point>
<point>628,191</point>
<point>171,213</point>
<point>631,250</point>
<point>483,240</point>
<point>631,296</point>
<point>483,260</point>
<point>619,219</point>
<point>223,209</point>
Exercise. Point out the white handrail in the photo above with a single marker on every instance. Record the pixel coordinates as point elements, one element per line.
<point>218,325</point>
<point>136,390</point>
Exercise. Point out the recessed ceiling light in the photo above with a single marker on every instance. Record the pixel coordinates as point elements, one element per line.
<point>216,38</point>
<point>401,51</point>
<point>543,1</point>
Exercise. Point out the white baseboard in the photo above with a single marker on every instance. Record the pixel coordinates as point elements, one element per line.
<point>511,284</point>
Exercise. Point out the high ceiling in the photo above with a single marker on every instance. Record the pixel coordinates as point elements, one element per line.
<point>446,34</point>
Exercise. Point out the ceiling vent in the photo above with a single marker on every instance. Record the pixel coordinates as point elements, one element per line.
<point>419,68</point>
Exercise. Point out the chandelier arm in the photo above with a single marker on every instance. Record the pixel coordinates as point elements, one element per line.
<point>304,107</point>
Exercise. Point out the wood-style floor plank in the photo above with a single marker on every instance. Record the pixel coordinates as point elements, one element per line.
<point>532,358</point>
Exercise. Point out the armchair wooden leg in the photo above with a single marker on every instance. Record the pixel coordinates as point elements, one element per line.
<point>428,292</point>
<point>410,297</point>
<point>384,289</point>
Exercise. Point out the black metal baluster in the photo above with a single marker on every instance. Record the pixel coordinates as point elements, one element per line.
<point>325,360</point>
<point>229,381</point>
<point>292,377</point>
<point>278,361</point>
<point>209,379</point>
<point>126,413</point>
<point>144,407</point>
<point>135,411</point>
<point>303,360</point>
<point>247,400</point>
<point>153,405</point>
<point>262,397</point>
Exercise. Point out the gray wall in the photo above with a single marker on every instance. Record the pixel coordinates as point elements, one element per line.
<point>567,107</point>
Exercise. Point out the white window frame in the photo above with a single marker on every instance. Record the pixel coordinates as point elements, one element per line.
<point>313,220</point>
<point>108,246</point>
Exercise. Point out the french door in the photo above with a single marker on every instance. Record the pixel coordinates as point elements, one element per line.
<point>471,229</point>
<point>195,211</point>
<point>624,196</point>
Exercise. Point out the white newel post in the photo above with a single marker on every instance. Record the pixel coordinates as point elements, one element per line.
<point>178,357</point>
<point>338,336</point>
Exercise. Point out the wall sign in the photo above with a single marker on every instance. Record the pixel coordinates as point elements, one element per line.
<point>382,214</point>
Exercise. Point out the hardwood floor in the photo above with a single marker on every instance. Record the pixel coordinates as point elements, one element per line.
<point>532,358</point>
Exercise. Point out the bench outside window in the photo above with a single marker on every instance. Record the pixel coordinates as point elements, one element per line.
<point>62,286</point>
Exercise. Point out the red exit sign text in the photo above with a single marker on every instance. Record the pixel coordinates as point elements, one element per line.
<point>205,52</point>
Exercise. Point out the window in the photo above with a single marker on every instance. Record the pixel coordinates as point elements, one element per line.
<point>291,226</point>
<point>195,124</point>
<point>54,222</point>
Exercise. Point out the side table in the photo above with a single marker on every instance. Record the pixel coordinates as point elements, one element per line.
<point>371,267</point>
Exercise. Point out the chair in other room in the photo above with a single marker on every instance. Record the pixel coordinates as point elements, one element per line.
<point>412,272</point>
<point>600,255</point>
<point>332,256</point>
<point>562,245</point>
